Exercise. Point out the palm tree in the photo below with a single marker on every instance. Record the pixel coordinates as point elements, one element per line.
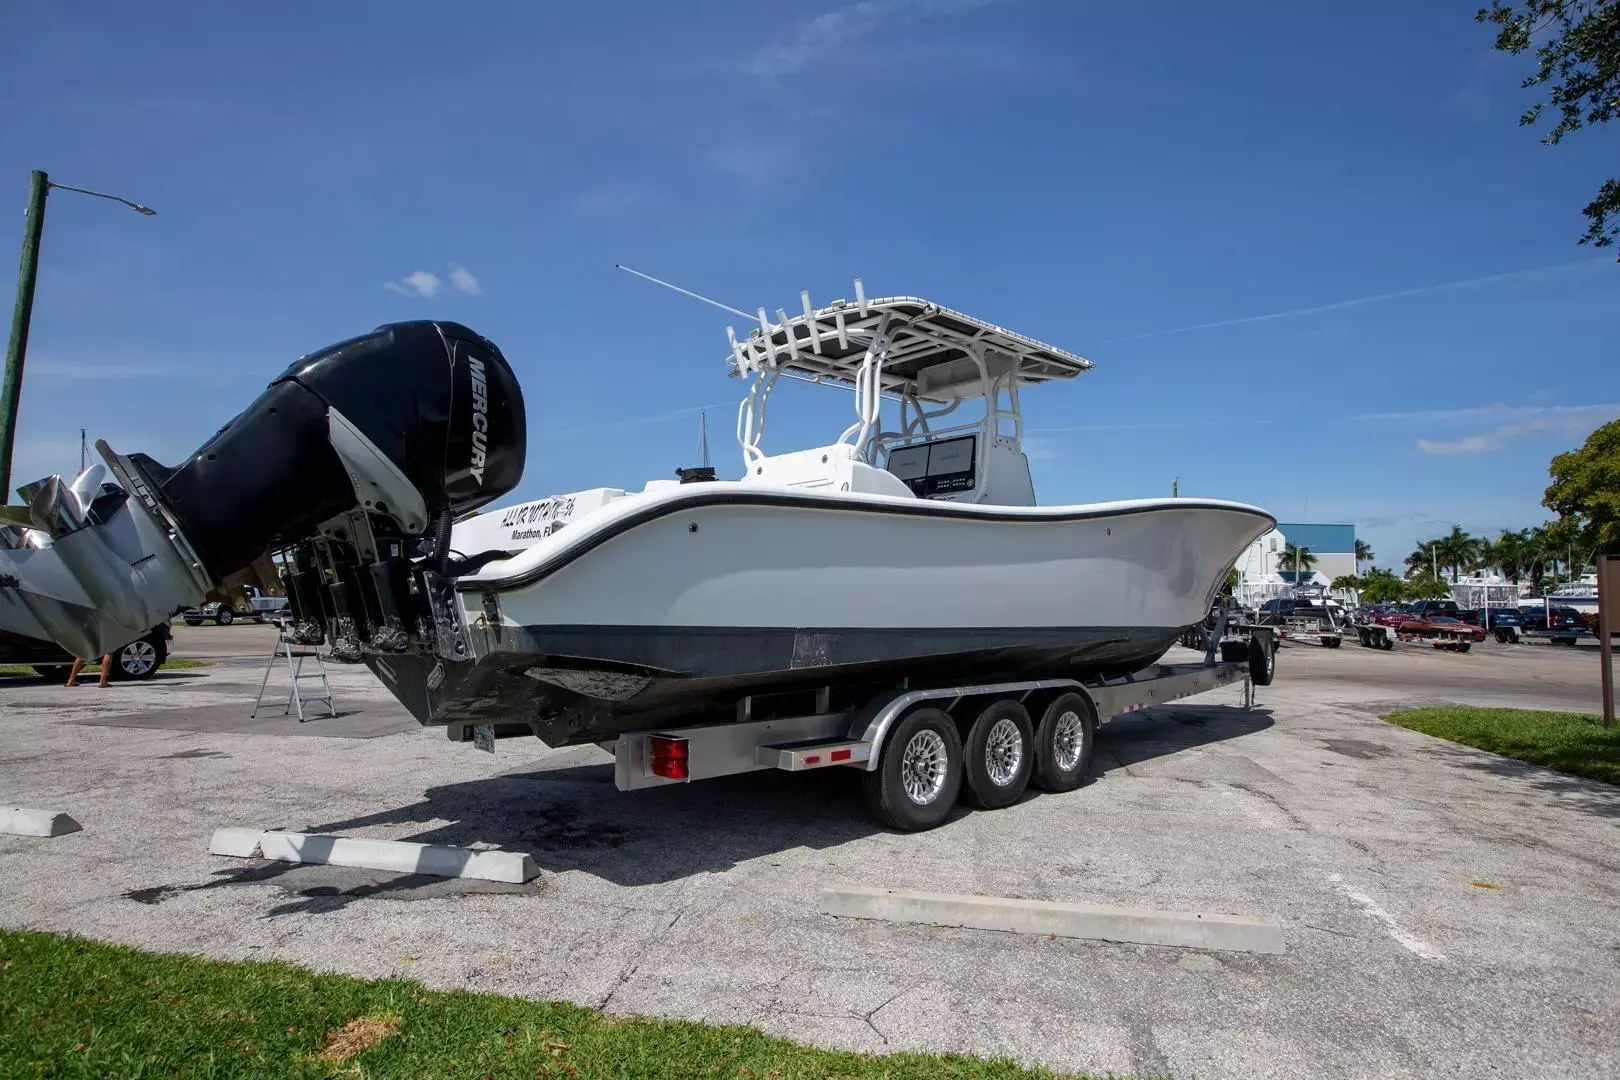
<point>1364,553</point>
<point>1424,558</point>
<point>1540,551</point>
<point>1297,558</point>
<point>1457,551</point>
<point>1509,553</point>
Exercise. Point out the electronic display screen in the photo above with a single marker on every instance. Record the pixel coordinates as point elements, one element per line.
<point>932,469</point>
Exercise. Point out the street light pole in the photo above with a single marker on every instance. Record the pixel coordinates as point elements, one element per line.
<point>21,314</point>
<point>23,311</point>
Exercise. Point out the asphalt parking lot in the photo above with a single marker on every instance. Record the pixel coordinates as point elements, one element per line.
<point>1445,911</point>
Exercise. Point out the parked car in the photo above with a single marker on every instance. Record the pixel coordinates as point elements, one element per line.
<point>140,659</point>
<point>1500,618</point>
<point>1393,615</point>
<point>1446,622</point>
<point>255,604</point>
<point>1563,624</point>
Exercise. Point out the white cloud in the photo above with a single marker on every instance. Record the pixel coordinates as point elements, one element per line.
<point>1038,449</point>
<point>421,283</point>
<point>1470,444</point>
<point>1498,411</point>
<point>1560,421</point>
<point>427,285</point>
<point>1378,298</point>
<point>612,200</point>
<point>813,39</point>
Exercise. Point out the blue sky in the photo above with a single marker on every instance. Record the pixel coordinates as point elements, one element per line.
<point>1315,260</point>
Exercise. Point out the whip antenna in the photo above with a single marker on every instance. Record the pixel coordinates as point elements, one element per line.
<point>683,292</point>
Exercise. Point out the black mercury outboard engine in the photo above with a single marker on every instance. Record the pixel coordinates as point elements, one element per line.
<point>414,423</point>
<point>356,459</point>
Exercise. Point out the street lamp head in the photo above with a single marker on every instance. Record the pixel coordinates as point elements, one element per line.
<point>135,206</point>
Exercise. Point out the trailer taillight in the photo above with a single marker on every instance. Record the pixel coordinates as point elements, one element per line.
<point>668,756</point>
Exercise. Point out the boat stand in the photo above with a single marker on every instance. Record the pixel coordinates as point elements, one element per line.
<point>296,696</point>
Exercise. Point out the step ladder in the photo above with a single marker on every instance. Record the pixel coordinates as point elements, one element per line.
<point>297,696</point>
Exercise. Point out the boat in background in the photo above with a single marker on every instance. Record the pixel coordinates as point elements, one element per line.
<point>910,551</point>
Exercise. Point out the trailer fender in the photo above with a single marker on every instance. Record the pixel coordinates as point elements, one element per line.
<point>872,723</point>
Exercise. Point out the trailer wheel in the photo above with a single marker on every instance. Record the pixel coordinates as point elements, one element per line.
<point>998,755</point>
<point>919,774</point>
<point>1464,646</point>
<point>1262,660</point>
<point>225,616</point>
<point>1063,743</point>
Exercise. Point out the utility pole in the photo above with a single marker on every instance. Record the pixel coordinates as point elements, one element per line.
<point>21,315</point>
<point>22,312</point>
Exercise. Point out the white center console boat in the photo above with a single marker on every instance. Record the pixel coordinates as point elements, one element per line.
<point>908,553</point>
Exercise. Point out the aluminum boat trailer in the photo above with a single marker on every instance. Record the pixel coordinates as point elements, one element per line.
<point>1379,636</point>
<point>919,748</point>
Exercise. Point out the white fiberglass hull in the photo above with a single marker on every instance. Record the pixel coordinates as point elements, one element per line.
<point>675,600</point>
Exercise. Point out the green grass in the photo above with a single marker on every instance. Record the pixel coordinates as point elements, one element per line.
<point>1573,743</point>
<point>75,1008</point>
<point>178,664</point>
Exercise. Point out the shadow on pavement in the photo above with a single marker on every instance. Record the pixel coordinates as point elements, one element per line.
<point>575,819</point>
<point>318,890</point>
<point>1138,737</point>
<point>1578,793</point>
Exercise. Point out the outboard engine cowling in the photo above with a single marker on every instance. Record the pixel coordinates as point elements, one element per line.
<point>431,404</point>
<point>350,459</point>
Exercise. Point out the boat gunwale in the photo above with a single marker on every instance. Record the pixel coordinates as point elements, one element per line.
<point>612,524</point>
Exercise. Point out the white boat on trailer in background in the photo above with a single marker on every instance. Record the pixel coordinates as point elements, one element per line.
<point>894,600</point>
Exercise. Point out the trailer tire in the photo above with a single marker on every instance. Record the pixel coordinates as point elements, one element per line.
<point>998,755</point>
<point>1060,765</point>
<point>1262,660</point>
<point>928,737</point>
<point>225,617</point>
<point>1464,646</point>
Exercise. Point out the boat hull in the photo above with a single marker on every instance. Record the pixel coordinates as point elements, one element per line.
<point>670,608</point>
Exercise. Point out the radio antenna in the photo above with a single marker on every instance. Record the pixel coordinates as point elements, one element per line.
<point>685,292</point>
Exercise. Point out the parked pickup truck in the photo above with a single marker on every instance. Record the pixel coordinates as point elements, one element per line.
<point>252,604</point>
<point>1449,609</point>
<point>1561,625</point>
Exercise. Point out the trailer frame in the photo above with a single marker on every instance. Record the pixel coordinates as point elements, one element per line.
<point>860,737</point>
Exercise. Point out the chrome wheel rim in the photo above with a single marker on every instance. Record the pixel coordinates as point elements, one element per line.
<point>1003,752</point>
<point>137,658</point>
<point>1068,740</point>
<point>922,767</point>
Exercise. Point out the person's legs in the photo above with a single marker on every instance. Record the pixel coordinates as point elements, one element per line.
<point>73,672</point>
<point>106,669</point>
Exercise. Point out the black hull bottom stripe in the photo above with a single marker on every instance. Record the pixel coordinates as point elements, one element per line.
<point>590,683</point>
<point>704,652</point>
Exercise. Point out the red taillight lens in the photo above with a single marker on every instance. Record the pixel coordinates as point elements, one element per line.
<point>668,756</point>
